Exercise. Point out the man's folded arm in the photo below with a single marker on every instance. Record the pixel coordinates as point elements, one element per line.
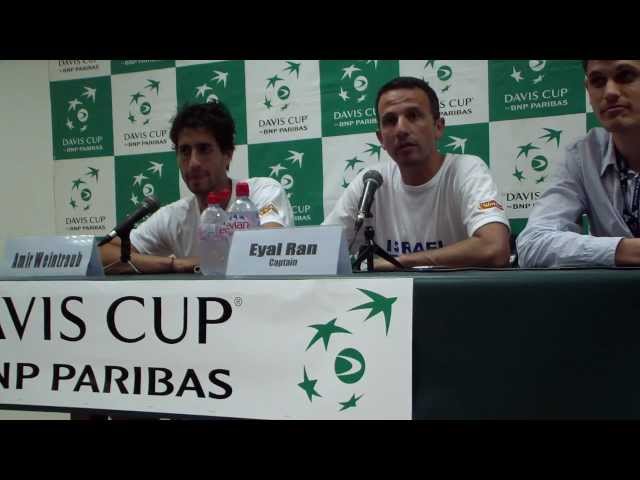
<point>110,254</point>
<point>553,236</point>
<point>487,247</point>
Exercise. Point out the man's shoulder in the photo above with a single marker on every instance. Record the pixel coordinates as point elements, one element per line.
<point>264,186</point>
<point>588,152</point>
<point>182,205</point>
<point>596,139</point>
<point>262,182</point>
<point>388,169</point>
<point>166,220</point>
<point>463,162</point>
<point>264,190</point>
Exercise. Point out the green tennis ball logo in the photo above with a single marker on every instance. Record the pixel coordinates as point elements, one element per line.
<point>539,163</point>
<point>537,65</point>
<point>284,92</point>
<point>145,108</point>
<point>444,73</point>
<point>286,181</point>
<point>85,194</point>
<point>147,190</point>
<point>83,115</point>
<point>361,83</point>
<point>349,365</point>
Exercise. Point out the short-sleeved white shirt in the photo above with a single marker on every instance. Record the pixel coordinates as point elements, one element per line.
<point>449,208</point>
<point>173,228</point>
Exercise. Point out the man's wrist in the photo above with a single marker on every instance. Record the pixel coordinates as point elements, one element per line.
<point>628,252</point>
<point>183,264</point>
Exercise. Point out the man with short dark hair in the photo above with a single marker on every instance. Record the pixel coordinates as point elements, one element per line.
<point>599,176</point>
<point>203,137</point>
<point>432,209</point>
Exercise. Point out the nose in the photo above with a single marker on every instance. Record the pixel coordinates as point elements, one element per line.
<point>193,158</point>
<point>611,90</point>
<point>402,126</point>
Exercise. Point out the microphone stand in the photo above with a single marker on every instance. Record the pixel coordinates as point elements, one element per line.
<point>125,251</point>
<point>367,251</point>
<point>125,246</point>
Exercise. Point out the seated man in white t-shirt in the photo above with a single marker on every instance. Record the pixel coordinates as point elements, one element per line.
<point>432,209</point>
<point>202,135</point>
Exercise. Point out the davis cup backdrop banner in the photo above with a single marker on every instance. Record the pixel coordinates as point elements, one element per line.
<point>309,124</point>
<point>272,349</point>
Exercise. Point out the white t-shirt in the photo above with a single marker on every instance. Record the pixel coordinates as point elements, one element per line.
<point>449,208</point>
<point>173,228</point>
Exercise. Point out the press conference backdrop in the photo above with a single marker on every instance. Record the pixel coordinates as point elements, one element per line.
<point>309,124</point>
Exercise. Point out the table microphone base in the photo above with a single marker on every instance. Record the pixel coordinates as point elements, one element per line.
<point>371,248</point>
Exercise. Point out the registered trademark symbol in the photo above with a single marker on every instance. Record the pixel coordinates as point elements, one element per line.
<point>237,301</point>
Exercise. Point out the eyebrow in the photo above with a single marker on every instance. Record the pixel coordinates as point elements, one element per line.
<point>618,67</point>
<point>196,144</point>
<point>408,108</point>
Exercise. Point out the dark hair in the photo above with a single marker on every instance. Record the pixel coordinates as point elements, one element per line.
<point>585,64</point>
<point>410,83</point>
<point>213,116</point>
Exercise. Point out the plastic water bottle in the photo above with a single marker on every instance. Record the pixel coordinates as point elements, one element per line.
<point>243,213</point>
<point>214,236</point>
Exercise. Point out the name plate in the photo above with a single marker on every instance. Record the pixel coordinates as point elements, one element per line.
<point>75,255</point>
<point>317,250</point>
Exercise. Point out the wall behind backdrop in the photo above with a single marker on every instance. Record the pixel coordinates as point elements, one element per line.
<point>307,123</point>
<point>26,183</point>
<point>26,186</point>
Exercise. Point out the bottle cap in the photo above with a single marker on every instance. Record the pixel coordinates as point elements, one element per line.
<point>218,197</point>
<point>242,189</point>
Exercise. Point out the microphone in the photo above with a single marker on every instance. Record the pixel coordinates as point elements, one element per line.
<point>372,181</point>
<point>149,205</point>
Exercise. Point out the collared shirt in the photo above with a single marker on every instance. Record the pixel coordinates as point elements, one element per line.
<point>585,180</point>
<point>630,186</point>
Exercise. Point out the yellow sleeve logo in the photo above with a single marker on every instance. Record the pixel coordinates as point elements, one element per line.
<point>490,204</point>
<point>267,209</point>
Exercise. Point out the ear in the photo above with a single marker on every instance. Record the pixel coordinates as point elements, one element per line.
<point>439,124</point>
<point>586,86</point>
<point>379,137</point>
<point>227,159</point>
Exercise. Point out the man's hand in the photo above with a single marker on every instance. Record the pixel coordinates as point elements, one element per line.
<point>628,252</point>
<point>185,265</point>
<point>271,225</point>
<point>488,247</point>
<point>110,254</point>
<point>381,265</point>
